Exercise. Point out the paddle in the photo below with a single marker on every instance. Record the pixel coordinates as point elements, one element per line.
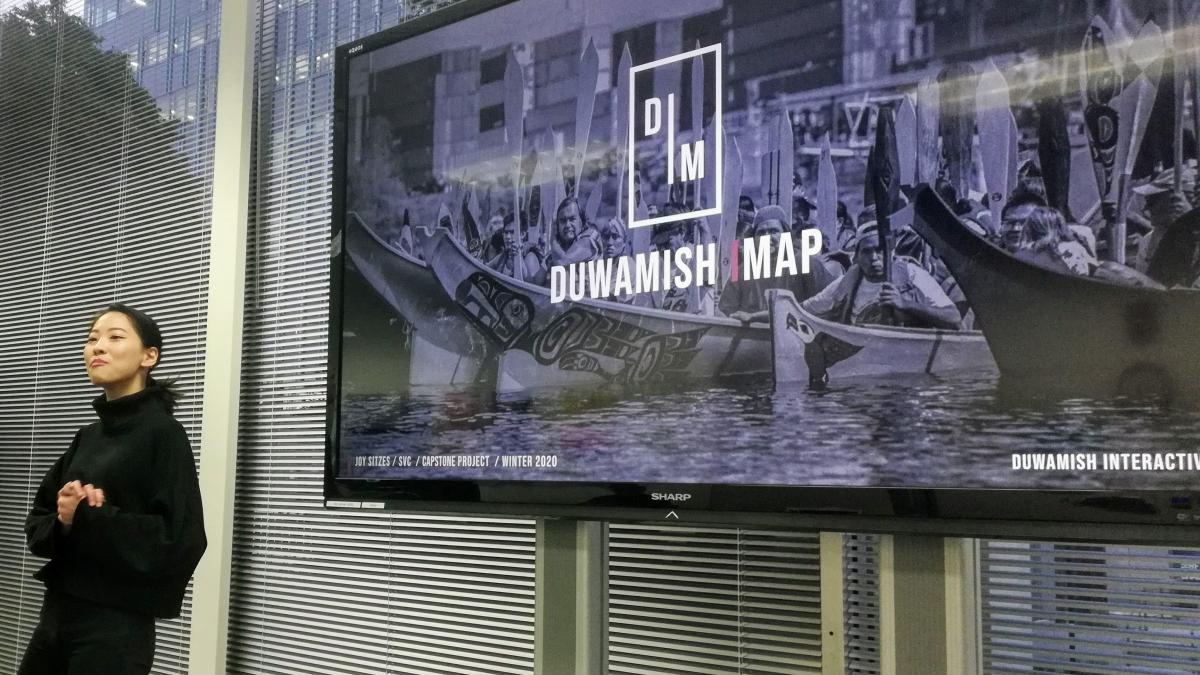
<point>885,188</point>
<point>470,219</point>
<point>585,103</point>
<point>486,205</point>
<point>1134,105</point>
<point>547,192</point>
<point>956,90</point>
<point>1100,82</point>
<point>1193,69</point>
<point>620,139</point>
<point>535,214</point>
<point>787,160</point>
<point>514,123</point>
<point>697,86</point>
<point>1162,141</point>
<point>994,119</point>
<point>1013,135</point>
<point>591,208</point>
<point>707,232</point>
<point>777,163</point>
<point>640,237</point>
<point>929,156</point>
<point>868,186</point>
<point>1054,152</point>
<point>560,194</point>
<point>906,144</point>
<point>1178,79</point>
<point>731,197</point>
<point>827,191</point>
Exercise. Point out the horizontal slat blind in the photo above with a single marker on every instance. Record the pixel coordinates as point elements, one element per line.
<point>318,591</point>
<point>1076,608</point>
<point>710,600</point>
<point>105,178</point>
<point>326,592</point>
<point>860,578</point>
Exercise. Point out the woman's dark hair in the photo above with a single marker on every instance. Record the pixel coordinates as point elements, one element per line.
<point>150,335</point>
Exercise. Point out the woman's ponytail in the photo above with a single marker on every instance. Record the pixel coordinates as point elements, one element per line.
<point>166,390</point>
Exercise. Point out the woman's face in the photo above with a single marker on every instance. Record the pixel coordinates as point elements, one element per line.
<point>114,354</point>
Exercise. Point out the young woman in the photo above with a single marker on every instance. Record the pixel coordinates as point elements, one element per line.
<point>118,515</point>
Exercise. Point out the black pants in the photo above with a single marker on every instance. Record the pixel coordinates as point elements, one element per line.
<point>77,637</point>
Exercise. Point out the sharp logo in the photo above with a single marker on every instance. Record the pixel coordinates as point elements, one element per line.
<point>670,496</point>
<point>687,163</point>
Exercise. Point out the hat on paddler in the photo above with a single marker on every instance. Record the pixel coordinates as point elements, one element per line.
<point>661,234</point>
<point>866,230</point>
<point>771,212</point>
<point>1164,181</point>
<point>614,223</point>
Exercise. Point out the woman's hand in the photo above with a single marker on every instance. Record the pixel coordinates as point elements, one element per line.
<point>94,495</point>
<point>69,497</point>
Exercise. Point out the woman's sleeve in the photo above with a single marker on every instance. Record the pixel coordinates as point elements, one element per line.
<point>41,525</point>
<point>169,539</point>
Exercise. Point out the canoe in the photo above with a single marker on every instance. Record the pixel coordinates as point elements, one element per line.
<point>1064,332</point>
<point>811,350</point>
<point>592,342</point>
<point>446,349</point>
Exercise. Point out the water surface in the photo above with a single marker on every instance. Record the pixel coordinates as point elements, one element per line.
<point>906,432</point>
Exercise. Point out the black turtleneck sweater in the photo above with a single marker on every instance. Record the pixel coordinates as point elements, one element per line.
<point>138,550</point>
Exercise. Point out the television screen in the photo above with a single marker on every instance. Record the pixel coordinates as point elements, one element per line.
<point>721,256</point>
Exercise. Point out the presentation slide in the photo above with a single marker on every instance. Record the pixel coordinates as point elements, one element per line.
<point>771,243</point>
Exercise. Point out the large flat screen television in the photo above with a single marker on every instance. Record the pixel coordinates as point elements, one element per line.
<point>893,266</point>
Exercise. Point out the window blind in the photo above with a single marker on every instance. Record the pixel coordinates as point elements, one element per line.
<point>105,175</point>
<point>1075,608</point>
<point>712,600</point>
<point>319,591</point>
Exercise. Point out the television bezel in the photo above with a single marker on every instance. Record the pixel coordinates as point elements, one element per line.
<point>1129,515</point>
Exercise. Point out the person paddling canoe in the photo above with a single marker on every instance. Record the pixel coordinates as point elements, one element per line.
<point>861,294</point>
<point>746,300</point>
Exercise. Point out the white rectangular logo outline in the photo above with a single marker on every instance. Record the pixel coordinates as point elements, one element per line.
<point>718,125</point>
